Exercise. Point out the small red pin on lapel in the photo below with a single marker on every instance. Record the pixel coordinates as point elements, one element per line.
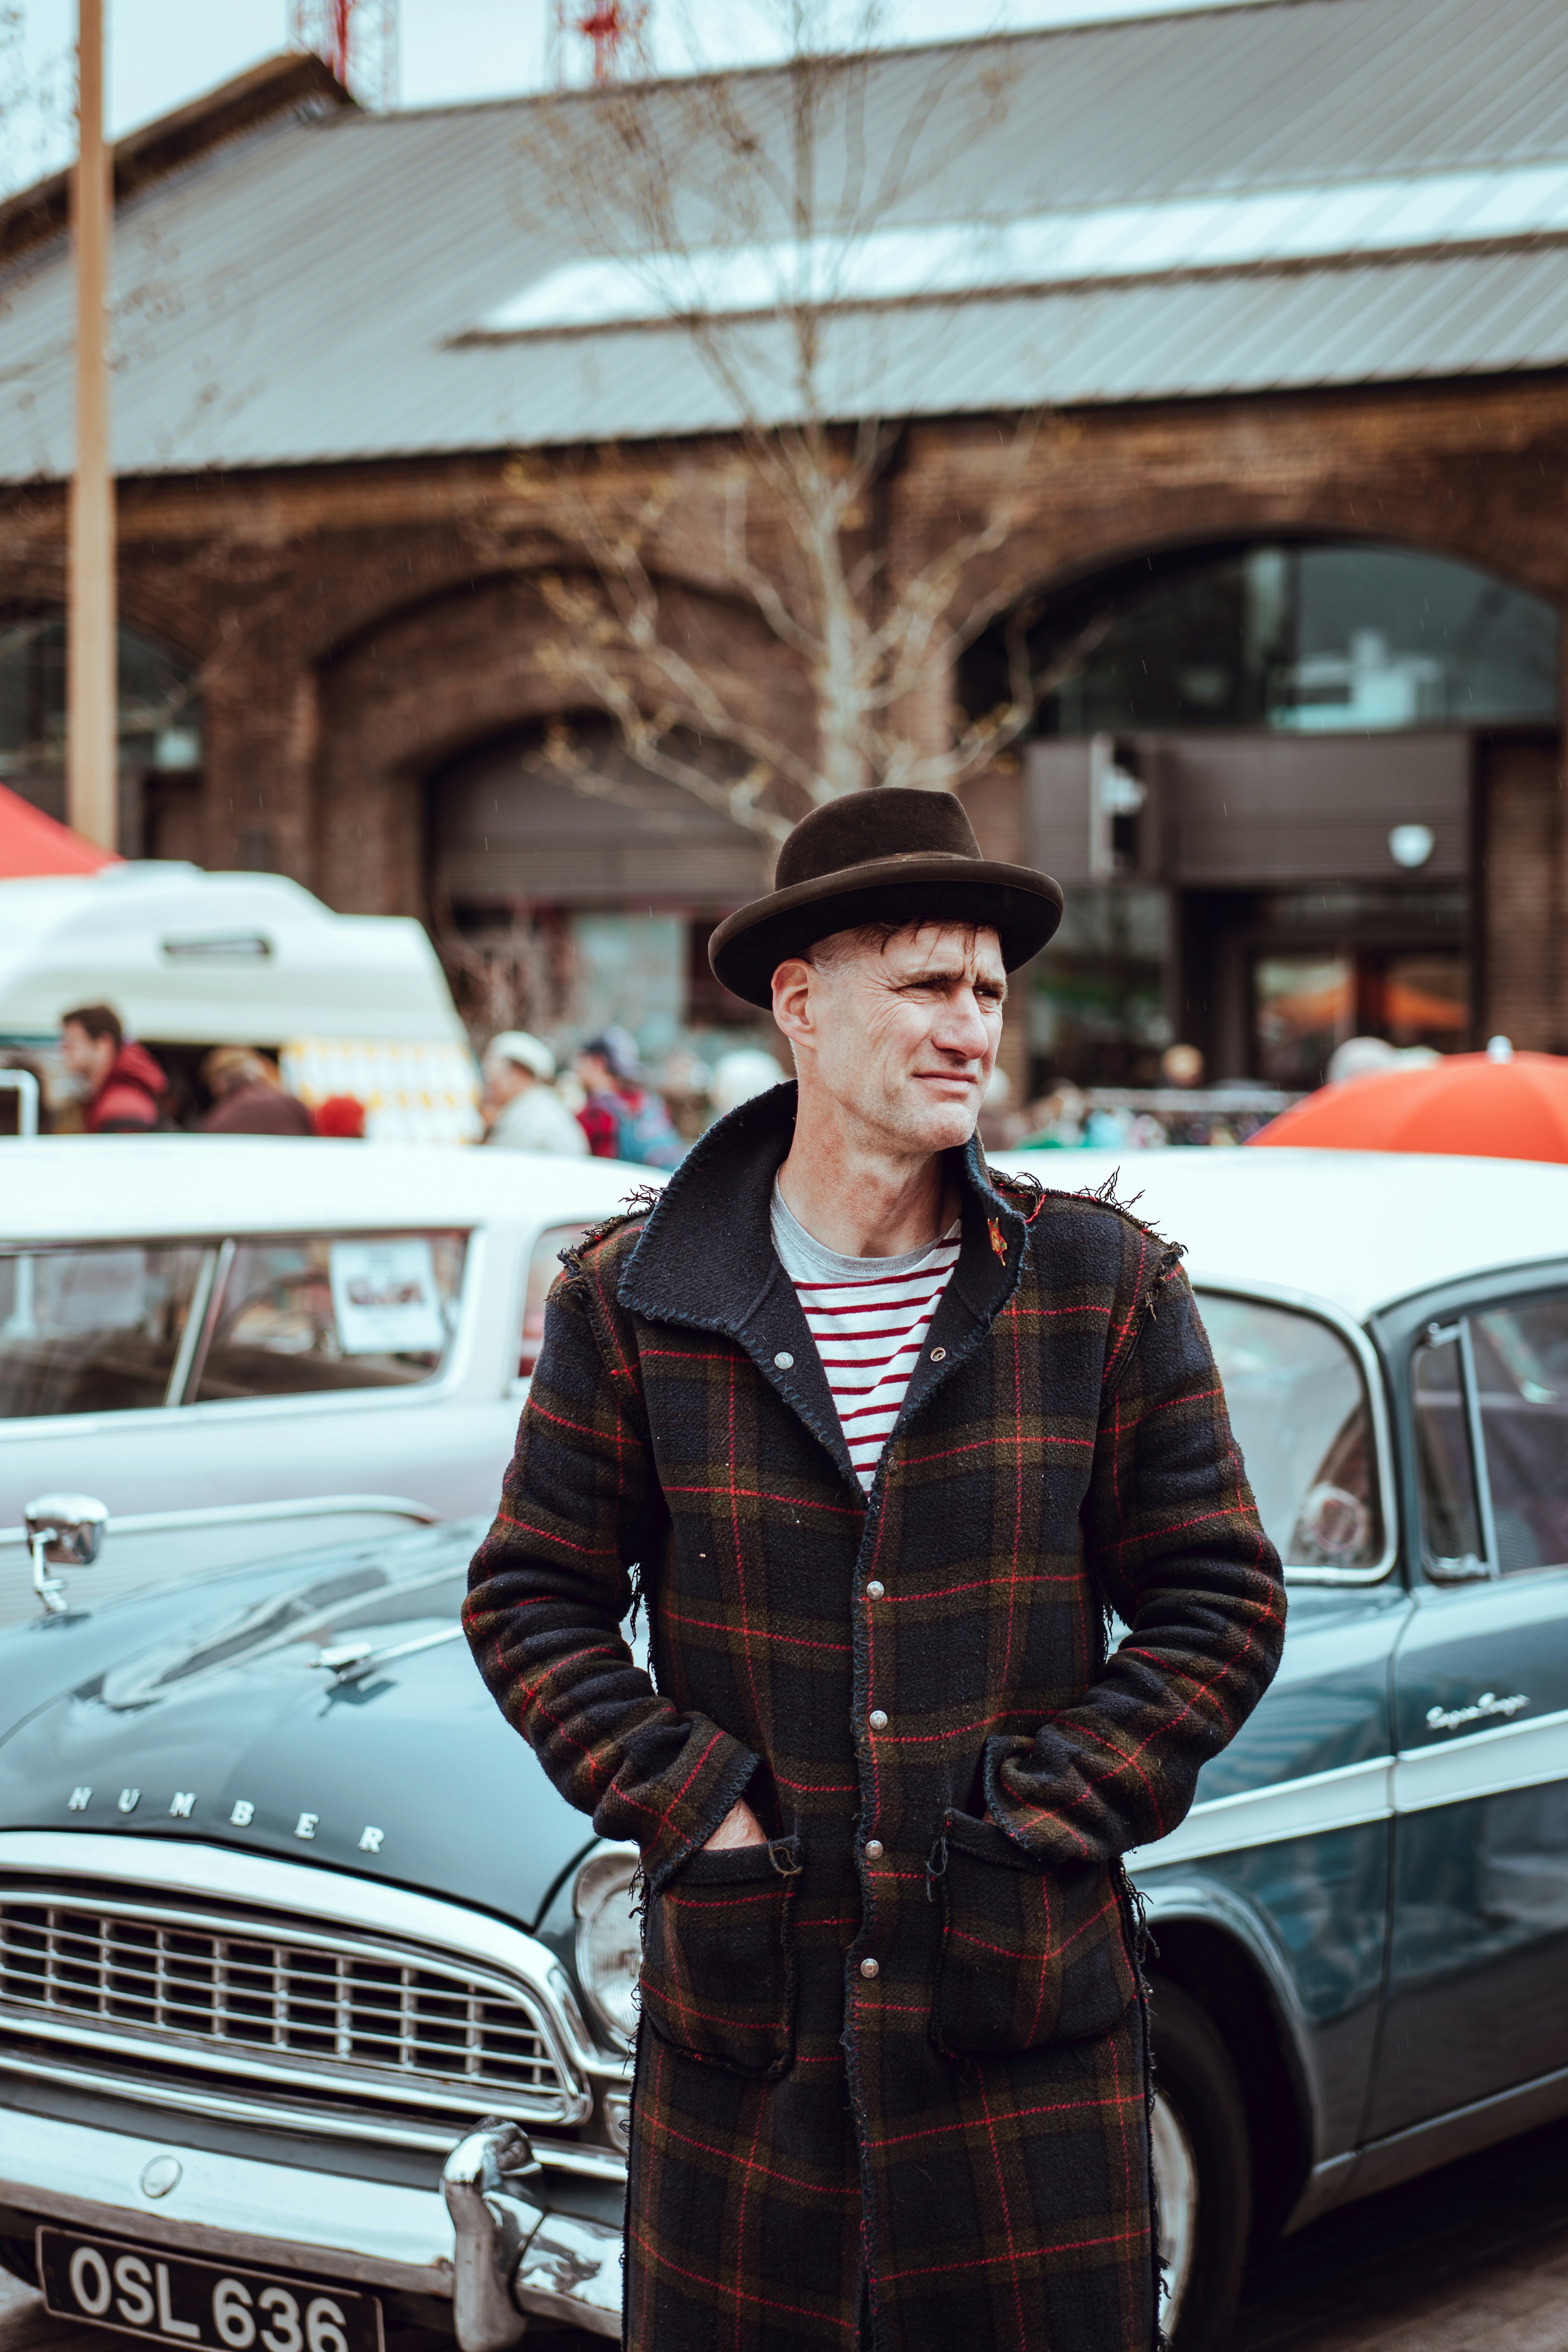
<point>997,1243</point>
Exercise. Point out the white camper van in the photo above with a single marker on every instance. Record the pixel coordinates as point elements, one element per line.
<point>351,1005</point>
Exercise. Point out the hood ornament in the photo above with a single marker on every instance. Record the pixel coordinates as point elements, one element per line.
<point>347,1662</point>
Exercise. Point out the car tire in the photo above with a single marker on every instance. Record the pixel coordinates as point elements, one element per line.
<point>1202,2172</point>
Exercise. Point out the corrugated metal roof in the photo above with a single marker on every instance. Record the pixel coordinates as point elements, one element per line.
<point>311,294</point>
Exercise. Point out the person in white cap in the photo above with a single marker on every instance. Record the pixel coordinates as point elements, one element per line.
<point>523,1110</point>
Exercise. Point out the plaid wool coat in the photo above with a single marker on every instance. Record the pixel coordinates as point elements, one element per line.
<point>896,2062</point>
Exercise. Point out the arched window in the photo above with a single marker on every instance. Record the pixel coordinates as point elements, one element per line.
<point>159,711</point>
<point>1291,636</point>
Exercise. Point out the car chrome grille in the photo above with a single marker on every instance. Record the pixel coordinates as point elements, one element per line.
<point>281,2000</point>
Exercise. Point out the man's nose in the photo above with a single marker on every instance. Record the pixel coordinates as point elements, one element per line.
<point>961,1028</point>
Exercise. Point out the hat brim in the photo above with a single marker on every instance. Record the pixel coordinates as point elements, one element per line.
<point>1021,906</point>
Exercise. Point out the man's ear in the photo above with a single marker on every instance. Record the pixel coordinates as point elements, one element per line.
<point>792,998</point>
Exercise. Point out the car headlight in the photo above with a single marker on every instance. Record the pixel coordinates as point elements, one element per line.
<point>609,1944</point>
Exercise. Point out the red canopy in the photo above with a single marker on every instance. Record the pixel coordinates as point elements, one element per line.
<point>1487,1105</point>
<point>32,843</point>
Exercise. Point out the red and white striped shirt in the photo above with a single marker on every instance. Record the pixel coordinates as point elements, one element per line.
<point>868,1317</point>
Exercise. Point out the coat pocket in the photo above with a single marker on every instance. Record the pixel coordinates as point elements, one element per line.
<point>718,1971</point>
<point>1030,1953</point>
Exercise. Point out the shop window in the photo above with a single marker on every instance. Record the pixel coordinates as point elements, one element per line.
<point>1096,1003</point>
<point>1306,1003</point>
<point>1295,638</point>
<point>160,714</point>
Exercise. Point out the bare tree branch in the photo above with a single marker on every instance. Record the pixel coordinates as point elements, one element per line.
<point>744,209</point>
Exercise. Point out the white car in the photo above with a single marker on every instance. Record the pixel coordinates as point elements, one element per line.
<point>243,1345</point>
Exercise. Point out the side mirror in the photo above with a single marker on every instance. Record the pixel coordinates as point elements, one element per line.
<point>63,1531</point>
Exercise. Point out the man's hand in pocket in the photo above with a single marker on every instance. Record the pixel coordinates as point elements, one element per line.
<point>740,1826</point>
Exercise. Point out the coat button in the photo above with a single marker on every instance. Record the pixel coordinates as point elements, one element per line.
<point>877,1719</point>
<point>875,1589</point>
<point>938,1355</point>
<point>870,1968</point>
<point>783,1360</point>
<point>873,1849</point>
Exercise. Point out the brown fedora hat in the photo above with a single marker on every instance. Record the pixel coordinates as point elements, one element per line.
<point>887,855</point>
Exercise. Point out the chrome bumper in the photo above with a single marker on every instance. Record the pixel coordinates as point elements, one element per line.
<point>483,2242</point>
<point>515,2261</point>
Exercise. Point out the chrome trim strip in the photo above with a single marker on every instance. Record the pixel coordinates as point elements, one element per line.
<point>592,2163</point>
<point>1489,1763</point>
<point>235,1515</point>
<point>1482,1763</point>
<point>1271,1293</point>
<point>151,2091</point>
<point>212,1873</point>
<point>1346,1797</point>
<point>325,2224</point>
<point>154,2051</point>
<point>1461,2131</point>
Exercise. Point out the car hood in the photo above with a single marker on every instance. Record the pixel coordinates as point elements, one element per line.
<point>203,1711</point>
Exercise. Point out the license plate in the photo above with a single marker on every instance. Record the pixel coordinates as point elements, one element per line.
<point>199,2306</point>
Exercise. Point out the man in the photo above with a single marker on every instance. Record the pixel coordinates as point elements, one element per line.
<point>523,1110</point>
<point>622,1119</point>
<point>248,1096</point>
<point>885,1438</point>
<point>122,1087</point>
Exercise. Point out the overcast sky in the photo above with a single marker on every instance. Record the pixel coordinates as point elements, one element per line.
<point>162,52</point>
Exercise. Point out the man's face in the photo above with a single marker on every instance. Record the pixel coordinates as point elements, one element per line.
<point>902,1038</point>
<point>89,1059</point>
<point>504,1081</point>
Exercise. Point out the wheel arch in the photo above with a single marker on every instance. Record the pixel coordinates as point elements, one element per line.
<point>1221,1956</point>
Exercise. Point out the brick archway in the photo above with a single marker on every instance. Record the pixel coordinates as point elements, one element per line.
<point>428,683</point>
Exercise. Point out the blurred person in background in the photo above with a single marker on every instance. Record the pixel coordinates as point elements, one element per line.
<point>122,1086</point>
<point>738,1075</point>
<point>341,1118</point>
<point>248,1096</point>
<point>622,1119</point>
<point>523,1111</point>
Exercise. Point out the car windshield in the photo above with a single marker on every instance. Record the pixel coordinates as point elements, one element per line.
<point>1300,1410</point>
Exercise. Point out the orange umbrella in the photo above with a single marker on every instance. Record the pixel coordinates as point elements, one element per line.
<point>1499,1105</point>
<point>32,843</point>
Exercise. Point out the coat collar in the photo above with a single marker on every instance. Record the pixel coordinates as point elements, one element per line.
<point>706,1260</point>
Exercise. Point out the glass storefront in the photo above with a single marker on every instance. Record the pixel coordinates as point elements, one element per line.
<point>1319,638</point>
<point>1272,910</point>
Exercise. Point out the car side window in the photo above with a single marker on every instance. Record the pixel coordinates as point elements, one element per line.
<point>543,1265</point>
<point>1302,1418</point>
<point>302,1315</point>
<point>1492,1411</point>
<point>1452,1546</point>
<point>93,1329</point>
<point>1521,1376</point>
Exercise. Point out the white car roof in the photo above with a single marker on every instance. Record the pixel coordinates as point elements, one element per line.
<point>69,1187</point>
<point>188,956</point>
<point>1359,1229</point>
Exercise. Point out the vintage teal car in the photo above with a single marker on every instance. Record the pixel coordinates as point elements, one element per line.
<point>315,1998</point>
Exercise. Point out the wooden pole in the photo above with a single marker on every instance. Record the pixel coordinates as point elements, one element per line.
<point>92,732</point>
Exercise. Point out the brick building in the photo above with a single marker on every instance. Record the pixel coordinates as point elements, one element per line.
<point>1286,288</point>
